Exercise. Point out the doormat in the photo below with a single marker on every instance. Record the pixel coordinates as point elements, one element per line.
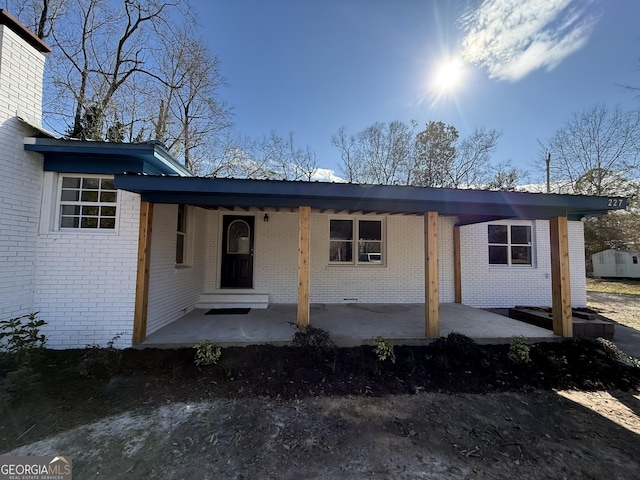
<point>228,311</point>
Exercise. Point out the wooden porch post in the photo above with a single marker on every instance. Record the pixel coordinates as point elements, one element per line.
<point>560,277</point>
<point>431,281</point>
<point>304,266</point>
<point>142,276</point>
<point>457,272</point>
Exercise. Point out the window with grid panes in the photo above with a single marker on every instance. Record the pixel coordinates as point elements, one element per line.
<point>510,245</point>
<point>88,203</point>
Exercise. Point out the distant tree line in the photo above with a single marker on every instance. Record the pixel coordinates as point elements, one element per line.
<point>394,154</point>
<point>597,152</point>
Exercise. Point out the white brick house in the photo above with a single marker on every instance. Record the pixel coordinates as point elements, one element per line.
<point>21,69</point>
<point>99,252</point>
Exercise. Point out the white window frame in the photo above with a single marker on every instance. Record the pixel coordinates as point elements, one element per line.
<point>509,246</point>
<point>355,260</point>
<point>187,257</point>
<point>59,203</point>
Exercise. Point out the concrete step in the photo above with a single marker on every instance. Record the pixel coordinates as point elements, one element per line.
<point>235,299</point>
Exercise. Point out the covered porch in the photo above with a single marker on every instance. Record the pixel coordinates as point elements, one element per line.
<point>428,320</point>
<point>347,324</point>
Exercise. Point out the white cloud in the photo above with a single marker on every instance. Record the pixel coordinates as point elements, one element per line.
<point>512,38</point>
<point>326,175</point>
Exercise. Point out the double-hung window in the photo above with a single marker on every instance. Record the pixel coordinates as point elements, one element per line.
<point>510,245</point>
<point>88,203</point>
<point>181,235</point>
<point>355,241</point>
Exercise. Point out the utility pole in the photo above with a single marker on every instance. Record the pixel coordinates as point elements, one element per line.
<point>548,173</point>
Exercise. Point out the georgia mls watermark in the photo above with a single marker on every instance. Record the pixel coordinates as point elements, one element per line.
<point>35,468</point>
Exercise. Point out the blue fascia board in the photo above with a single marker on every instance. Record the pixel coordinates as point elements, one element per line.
<point>354,197</point>
<point>105,157</point>
<point>95,165</point>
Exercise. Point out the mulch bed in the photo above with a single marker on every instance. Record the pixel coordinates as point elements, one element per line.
<point>67,387</point>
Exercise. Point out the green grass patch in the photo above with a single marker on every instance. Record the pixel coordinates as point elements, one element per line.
<point>627,287</point>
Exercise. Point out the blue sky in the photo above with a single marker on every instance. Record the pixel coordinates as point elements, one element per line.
<point>311,67</point>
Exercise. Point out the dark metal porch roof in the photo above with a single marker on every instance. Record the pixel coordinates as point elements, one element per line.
<point>470,206</point>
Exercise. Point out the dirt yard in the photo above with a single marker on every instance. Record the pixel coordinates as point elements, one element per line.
<point>624,309</point>
<point>451,410</point>
<point>537,435</point>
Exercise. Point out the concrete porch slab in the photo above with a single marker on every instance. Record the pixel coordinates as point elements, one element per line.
<point>348,325</point>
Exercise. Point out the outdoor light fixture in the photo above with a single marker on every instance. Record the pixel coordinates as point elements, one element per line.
<point>266,217</point>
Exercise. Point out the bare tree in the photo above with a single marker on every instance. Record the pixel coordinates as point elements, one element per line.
<point>594,149</point>
<point>271,157</point>
<point>189,113</point>
<point>39,16</point>
<point>471,166</point>
<point>132,70</point>
<point>380,154</point>
<point>99,48</point>
<point>434,157</point>
<point>351,167</point>
<point>597,152</point>
<point>288,161</point>
<point>505,177</point>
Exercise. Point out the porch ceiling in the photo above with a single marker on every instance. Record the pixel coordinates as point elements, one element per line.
<point>470,206</point>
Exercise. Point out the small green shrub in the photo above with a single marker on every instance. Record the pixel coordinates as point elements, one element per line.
<point>22,334</point>
<point>207,353</point>
<point>519,351</point>
<point>384,350</point>
<point>557,363</point>
<point>312,337</point>
<point>20,339</point>
<point>410,362</point>
<point>459,351</point>
<point>227,369</point>
<point>101,362</point>
<point>332,363</point>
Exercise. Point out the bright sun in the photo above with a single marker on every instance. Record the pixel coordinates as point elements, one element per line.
<point>448,76</point>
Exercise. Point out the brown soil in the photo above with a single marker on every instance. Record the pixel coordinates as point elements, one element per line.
<point>449,410</point>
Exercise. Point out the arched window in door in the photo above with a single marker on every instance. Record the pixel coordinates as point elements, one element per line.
<point>238,238</point>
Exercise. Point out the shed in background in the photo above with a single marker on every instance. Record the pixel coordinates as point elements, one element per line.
<point>616,264</point>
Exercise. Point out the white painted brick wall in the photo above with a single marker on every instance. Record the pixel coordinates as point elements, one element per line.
<point>21,71</point>
<point>401,280</point>
<point>577,264</point>
<point>85,282</point>
<point>492,286</point>
<point>173,291</point>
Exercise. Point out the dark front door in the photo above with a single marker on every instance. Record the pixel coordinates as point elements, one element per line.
<point>237,252</point>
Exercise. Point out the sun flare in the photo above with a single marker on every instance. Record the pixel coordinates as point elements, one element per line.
<point>448,76</point>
